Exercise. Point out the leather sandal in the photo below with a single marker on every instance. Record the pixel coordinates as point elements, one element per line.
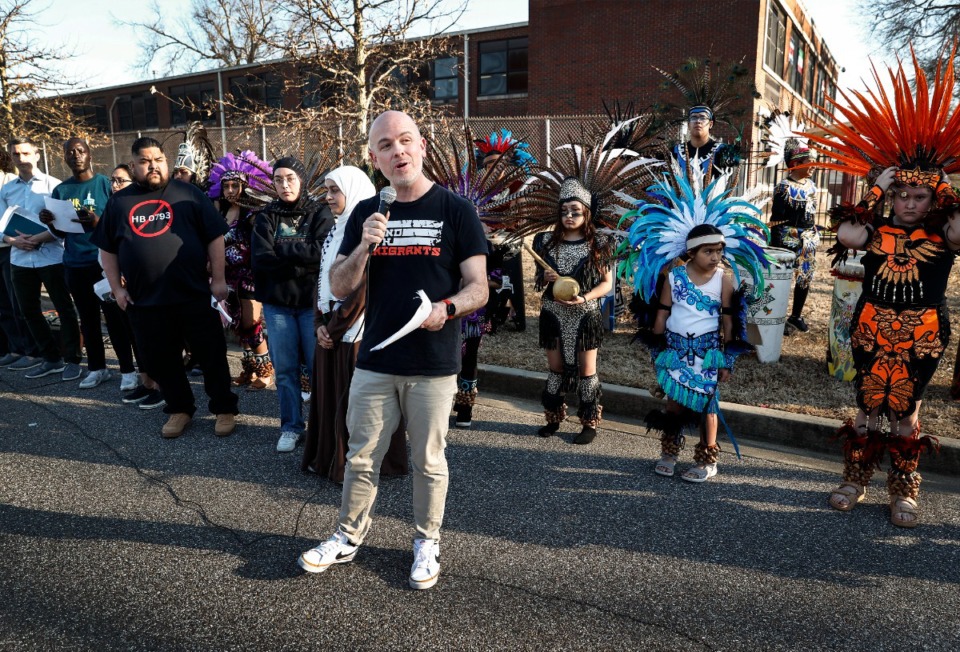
<point>901,506</point>
<point>665,466</point>
<point>851,492</point>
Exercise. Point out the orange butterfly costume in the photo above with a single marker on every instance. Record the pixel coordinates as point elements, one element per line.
<point>900,327</point>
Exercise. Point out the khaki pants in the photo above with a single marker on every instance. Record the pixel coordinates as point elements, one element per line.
<point>373,414</point>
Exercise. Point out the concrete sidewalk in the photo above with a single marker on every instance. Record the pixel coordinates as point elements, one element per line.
<point>759,424</point>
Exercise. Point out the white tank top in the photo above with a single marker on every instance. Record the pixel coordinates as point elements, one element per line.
<point>696,308</point>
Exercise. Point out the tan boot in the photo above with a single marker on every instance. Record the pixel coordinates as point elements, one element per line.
<point>175,425</point>
<point>226,424</point>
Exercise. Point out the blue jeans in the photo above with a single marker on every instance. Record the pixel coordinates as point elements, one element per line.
<point>291,340</point>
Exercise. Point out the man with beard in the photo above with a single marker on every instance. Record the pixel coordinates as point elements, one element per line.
<point>37,260</point>
<point>88,192</point>
<point>160,235</point>
<point>430,240</point>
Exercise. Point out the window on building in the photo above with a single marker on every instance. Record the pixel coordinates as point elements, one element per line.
<point>810,78</point>
<point>503,67</point>
<point>819,95</point>
<point>316,90</point>
<point>190,102</point>
<point>137,111</point>
<point>445,79</point>
<point>797,62</point>
<point>93,112</point>
<point>260,90</point>
<point>776,39</point>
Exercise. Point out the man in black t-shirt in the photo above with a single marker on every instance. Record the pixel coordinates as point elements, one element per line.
<point>430,240</point>
<point>160,235</point>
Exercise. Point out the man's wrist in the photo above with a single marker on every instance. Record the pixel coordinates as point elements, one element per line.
<point>450,308</point>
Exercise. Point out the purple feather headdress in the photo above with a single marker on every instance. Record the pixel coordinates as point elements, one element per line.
<point>247,167</point>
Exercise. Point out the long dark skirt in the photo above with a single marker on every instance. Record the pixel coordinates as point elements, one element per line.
<point>325,448</point>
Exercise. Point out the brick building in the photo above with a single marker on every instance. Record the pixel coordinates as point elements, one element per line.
<point>564,61</point>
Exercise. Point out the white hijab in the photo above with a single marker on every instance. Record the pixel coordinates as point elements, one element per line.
<point>356,186</point>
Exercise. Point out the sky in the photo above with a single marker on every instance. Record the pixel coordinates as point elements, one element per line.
<point>106,51</point>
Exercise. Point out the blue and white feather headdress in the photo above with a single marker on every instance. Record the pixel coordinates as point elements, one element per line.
<point>658,233</point>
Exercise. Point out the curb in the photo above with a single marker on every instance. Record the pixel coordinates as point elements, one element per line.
<point>759,424</point>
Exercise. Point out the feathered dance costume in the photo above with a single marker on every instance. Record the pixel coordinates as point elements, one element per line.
<point>691,353</point>
<point>793,215</point>
<point>254,176</point>
<point>489,190</point>
<point>195,154</point>
<point>900,327</point>
<point>719,91</point>
<point>596,177</point>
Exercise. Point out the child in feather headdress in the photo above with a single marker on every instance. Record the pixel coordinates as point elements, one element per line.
<point>699,325</point>
<point>900,327</point>
<point>571,330</point>
<point>690,320</point>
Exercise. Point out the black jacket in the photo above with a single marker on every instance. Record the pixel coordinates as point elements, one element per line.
<point>286,250</point>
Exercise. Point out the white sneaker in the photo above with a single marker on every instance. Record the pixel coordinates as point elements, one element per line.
<point>94,378</point>
<point>335,550</point>
<point>426,563</point>
<point>129,381</point>
<point>288,441</point>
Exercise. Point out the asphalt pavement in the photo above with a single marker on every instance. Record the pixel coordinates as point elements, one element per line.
<point>112,538</point>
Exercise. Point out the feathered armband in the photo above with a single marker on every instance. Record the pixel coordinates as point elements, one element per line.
<point>853,213</point>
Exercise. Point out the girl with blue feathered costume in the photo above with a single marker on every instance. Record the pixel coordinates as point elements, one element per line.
<point>686,259</point>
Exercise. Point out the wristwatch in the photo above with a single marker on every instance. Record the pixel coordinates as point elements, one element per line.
<point>451,309</point>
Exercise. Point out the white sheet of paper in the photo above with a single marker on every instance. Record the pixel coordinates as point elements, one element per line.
<point>102,289</point>
<point>220,306</point>
<point>64,215</point>
<point>420,316</point>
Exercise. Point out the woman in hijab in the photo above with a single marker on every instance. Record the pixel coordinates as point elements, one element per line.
<point>286,245</point>
<point>339,327</point>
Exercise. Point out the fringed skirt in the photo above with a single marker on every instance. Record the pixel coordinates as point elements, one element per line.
<point>687,370</point>
<point>576,328</point>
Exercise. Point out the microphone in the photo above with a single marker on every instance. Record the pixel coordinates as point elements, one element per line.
<point>388,195</point>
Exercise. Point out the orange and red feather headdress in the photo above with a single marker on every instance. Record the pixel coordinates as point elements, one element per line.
<point>919,134</point>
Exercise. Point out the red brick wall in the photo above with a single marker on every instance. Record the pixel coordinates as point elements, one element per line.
<point>585,52</point>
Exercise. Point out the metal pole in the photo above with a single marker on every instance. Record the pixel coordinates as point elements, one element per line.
<point>547,134</point>
<point>466,77</point>
<point>113,138</point>
<point>46,167</point>
<point>263,141</point>
<point>340,141</point>
<point>223,119</point>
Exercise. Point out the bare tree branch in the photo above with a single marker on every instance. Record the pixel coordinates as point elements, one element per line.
<point>928,25</point>
<point>217,32</point>
<point>30,80</point>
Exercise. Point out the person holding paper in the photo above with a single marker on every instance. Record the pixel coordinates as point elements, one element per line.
<point>20,351</point>
<point>160,234</point>
<point>38,260</point>
<point>87,194</point>
<point>429,240</point>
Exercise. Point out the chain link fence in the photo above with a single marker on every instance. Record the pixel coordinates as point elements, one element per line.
<point>543,134</point>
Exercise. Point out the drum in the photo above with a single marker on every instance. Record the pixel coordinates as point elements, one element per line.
<point>847,287</point>
<point>767,313</point>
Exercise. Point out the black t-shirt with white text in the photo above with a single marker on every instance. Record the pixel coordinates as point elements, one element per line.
<point>425,243</point>
<point>160,238</point>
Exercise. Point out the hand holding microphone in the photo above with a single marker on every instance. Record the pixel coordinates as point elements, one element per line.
<point>387,196</point>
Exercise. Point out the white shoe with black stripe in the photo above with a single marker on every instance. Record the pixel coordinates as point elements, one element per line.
<point>335,550</point>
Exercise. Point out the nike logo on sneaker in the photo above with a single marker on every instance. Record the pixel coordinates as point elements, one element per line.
<point>344,555</point>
